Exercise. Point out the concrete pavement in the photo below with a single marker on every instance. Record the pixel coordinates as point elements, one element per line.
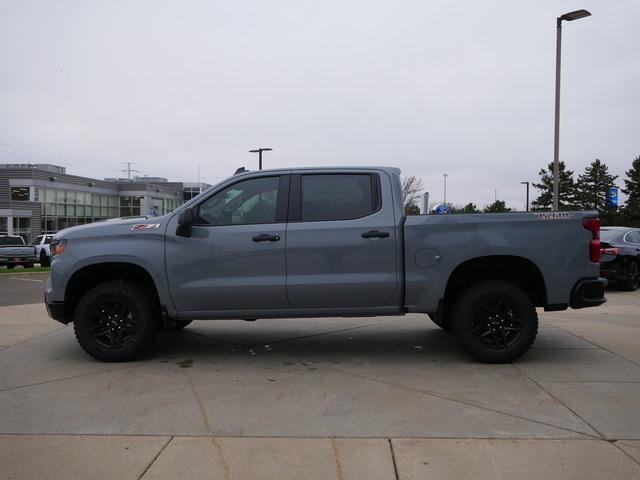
<point>323,398</point>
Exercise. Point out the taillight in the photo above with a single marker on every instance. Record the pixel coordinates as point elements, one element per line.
<point>593,225</point>
<point>609,251</point>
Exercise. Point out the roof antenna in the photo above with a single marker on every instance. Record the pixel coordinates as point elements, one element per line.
<point>240,170</point>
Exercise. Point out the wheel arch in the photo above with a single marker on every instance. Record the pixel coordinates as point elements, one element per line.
<point>89,276</point>
<point>518,270</point>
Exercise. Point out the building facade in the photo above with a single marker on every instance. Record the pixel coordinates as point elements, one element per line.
<point>43,198</point>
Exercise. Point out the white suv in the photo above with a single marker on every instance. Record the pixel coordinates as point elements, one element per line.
<point>43,249</point>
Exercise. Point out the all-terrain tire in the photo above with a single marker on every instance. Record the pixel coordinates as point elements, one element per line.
<point>45,261</point>
<point>494,321</point>
<point>631,280</point>
<point>116,321</point>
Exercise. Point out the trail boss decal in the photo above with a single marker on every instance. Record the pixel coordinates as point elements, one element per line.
<point>144,226</point>
<point>553,216</point>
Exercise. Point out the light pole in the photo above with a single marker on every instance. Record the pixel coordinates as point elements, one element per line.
<point>527,184</point>
<point>445,175</point>
<point>569,17</point>
<point>259,152</point>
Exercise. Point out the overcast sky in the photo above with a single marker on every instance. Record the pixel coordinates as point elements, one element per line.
<point>432,87</point>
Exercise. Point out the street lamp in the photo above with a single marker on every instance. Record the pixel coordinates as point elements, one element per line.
<point>569,17</point>
<point>259,152</point>
<point>527,184</point>
<point>445,175</point>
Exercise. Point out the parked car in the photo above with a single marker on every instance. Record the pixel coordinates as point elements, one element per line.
<point>13,251</point>
<point>620,262</point>
<point>321,242</point>
<point>43,249</point>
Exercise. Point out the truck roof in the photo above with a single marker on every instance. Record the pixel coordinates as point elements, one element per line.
<point>394,170</point>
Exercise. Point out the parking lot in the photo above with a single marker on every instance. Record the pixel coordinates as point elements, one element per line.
<point>385,397</point>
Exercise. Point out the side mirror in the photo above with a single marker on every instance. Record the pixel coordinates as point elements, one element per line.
<point>185,220</point>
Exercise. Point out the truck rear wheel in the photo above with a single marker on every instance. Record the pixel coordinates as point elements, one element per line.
<point>115,321</point>
<point>494,321</point>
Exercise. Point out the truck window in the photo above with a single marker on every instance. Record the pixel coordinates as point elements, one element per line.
<point>37,240</point>
<point>633,236</point>
<point>337,196</point>
<point>247,202</point>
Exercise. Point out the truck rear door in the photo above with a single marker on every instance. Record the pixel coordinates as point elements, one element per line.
<point>341,240</point>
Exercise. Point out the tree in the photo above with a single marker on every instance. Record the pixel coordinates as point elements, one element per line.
<point>631,211</point>
<point>468,208</point>
<point>566,189</point>
<point>592,187</point>
<point>499,206</point>
<point>411,189</point>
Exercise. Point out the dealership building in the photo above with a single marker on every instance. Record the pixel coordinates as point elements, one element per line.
<point>41,198</point>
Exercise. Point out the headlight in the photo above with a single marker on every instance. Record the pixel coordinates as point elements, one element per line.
<point>57,247</point>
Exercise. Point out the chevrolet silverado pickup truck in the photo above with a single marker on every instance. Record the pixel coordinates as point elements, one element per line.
<point>13,251</point>
<point>321,242</point>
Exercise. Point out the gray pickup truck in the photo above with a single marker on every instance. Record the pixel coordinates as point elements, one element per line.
<point>321,242</point>
<point>13,251</point>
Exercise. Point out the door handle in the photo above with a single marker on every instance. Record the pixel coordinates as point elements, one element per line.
<point>375,234</point>
<point>265,237</point>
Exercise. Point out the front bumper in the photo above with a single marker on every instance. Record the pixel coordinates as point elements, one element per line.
<point>588,292</point>
<point>56,311</point>
<point>18,260</point>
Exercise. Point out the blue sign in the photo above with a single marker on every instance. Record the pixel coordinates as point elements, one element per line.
<point>612,197</point>
<point>442,210</point>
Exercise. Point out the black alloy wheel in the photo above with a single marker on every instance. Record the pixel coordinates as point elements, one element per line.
<point>116,321</point>
<point>496,323</point>
<point>113,324</point>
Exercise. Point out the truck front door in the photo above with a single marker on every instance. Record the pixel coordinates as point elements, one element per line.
<point>235,256</point>
<point>341,241</point>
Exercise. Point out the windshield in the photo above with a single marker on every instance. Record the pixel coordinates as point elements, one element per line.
<point>608,235</point>
<point>11,241</point>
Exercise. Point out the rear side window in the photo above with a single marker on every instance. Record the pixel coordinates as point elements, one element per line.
<point>338,196</point>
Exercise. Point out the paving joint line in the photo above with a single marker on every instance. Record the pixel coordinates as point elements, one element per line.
<point>442,397</point>
<point>615,444</point>
<point>65,378</point>
<point>35,338</point>
<point>600,434</point>
<point>600,347</point>
<point>393,459</point>
<point>153,460</point>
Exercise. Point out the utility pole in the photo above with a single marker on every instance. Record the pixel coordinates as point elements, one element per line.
<point>556,133</point>
<point>527,184</point>
<point>445,175</point>
<point>495,194</point>
<point>259,152</point>
<point>128,170</point>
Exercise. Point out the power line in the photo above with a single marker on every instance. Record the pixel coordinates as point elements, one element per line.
<point>128,170</point>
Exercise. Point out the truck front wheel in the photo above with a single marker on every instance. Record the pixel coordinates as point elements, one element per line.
<point>115,321</point>
<point>494,321</point>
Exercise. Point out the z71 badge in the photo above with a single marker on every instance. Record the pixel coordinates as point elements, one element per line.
<point>144,226</point>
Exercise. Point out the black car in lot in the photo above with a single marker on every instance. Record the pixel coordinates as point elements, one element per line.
<point>620,261</point>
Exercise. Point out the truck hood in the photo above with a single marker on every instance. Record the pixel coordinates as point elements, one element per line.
<point>114,225</point>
